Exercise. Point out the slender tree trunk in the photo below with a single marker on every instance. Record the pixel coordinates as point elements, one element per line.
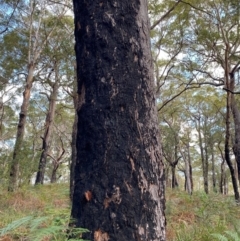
<point>174,178</point>
<point>227,149</point>
<point>236,145</point>
<point>174,164</point>
<point>206,184</point>
<point>187,171</point>
<point>48,132</point>
<point>1,115</point>
<point>213,171</point>
<point>223,174</point>
<point>119,178</point>
<point>203,158</point>
<point>14,168</point>
<point>54,173</point>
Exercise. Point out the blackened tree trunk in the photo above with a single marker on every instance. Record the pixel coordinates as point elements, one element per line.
<point>119,177</point>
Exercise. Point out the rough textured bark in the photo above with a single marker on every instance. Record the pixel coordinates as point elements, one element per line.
<point>48,131</point>
<point>14,168</point>
<point>119,177</point>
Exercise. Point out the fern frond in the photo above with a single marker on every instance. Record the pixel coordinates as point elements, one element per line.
<point>42,233</point>
<point>219,237</point>
<point>36,222</point>
<point>234,235</point>
<point>15,224</point>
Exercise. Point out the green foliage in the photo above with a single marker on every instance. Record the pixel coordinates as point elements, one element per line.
<point>229,235</point>
<point>38,213</point>
<point>39,228</point>
<point>201,217</point>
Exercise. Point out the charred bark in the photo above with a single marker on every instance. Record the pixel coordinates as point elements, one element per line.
<point>119,178</point>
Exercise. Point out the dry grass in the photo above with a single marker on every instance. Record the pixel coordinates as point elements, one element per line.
<point>32,201</point>
<point>196,217</point>
<point>189,218</point>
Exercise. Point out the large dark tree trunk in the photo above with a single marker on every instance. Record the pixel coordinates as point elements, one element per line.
<point>119,177</point>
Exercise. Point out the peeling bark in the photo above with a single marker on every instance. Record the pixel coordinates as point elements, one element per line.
<point>119,178</point>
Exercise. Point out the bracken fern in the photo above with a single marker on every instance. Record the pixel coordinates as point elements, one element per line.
<point>229,235</point>
<point>40,228</point>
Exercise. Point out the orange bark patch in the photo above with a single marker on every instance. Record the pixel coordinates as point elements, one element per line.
<point>88,195</point>
<point>100,236</point>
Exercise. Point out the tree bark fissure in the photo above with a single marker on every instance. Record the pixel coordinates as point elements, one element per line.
<point>119,178</point>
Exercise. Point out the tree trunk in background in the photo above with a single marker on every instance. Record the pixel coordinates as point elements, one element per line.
<point>119,176</point>
<point>227,149</point>
<point>213,170</point>
<point>236,144</point>
<point>14,167</point>
<point>174,164</point>
<point>48,130</point>
<point>203,158</point>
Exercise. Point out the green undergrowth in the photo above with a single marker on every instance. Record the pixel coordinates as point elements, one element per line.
<point>201,217</point>
<point>42,214</point>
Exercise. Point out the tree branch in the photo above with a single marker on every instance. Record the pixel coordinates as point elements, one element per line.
<point>165,15</point>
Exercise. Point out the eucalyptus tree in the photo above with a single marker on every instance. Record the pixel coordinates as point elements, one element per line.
<point>59,54</point>
<point>214,45</point>
<point>35,32</point>
<point>119,181</point>
<point>207,36</point>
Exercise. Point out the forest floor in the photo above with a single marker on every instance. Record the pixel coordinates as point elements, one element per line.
<point>42,213</point>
